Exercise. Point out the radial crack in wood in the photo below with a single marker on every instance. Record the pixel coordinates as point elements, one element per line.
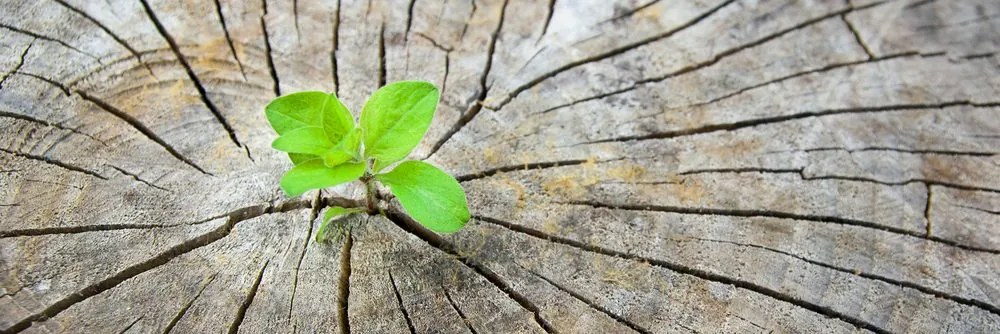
<point>631,166</point>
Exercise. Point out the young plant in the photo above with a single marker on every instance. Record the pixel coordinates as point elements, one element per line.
<point>328,148</point>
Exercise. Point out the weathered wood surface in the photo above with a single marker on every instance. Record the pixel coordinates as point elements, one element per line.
<point>650,166</point>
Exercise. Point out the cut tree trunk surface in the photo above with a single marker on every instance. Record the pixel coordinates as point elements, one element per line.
<point>643,165</point>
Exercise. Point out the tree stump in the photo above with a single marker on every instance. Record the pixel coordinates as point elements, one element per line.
<point>640,165</point>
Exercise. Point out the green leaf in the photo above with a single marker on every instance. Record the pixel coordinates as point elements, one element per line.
<point>432,197</point>
<point>298,158</point>
<point>336,157</point>
<point>312,141</point>
<point>332,213</point>
<point>395,118</point>
<point>313,174</point>
<point>347,149</point>
<point>307,140</point>
<point>352,141</point>
<point>319,109</point>
<point>337,211</point>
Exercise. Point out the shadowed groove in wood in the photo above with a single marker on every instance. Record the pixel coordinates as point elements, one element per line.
<point>242,311</point>
<point>801,172</point>
<point>137,178</point>
<point>407,224</point>
<point>525,64</point>
<point>381,56</point>
<point>903,150</point>
<point>13,292</point>
<point>108,31</point>
<point>891,281</point>
<point>857,36</point>
<point>748,321</point>
<point>685,270</point>
<point>531,167</point>
<point>992,212</point>
<point>114,111</point>
<point>718,57</point>
<point>235,217</point>
<point>344,286</point>
<point>29,232</point>
<point>116,60</point>
<point>611,53</point>
<point>447,59</point>
<point>333,50</point>
<point>982,136</point>
<point>54,83</point>
<point>435,43</point>
<point>399,302</point>
<point>465,25</point>
<point>632,11</point>
<point>548,20</point>
<point>229,39</point>
<point>124,330</point>
<point>781,215</point>
<point>590,303</point>
<point>784,118</point>
<point>61,139</point>
<point>295,16</point>
<point>978,55</point>
<point>43,122</point>
<point>447,68</point>
<point>476,105</point>
<point>46,38</point>
<point>54,162</point>
<point>17,66</point>
<point>511,168</point>
<point>318,204</point>
<point>461,314</point>
<point>409,23</point>
<point>187,306</point>
<point>267,50</point>
<point>202,92</point>
<point>927,209</point>
<point>818,70</point>
<point>918,3</point>
<point>766,83</point>
<point>908,181</point>
<point>142,128</point>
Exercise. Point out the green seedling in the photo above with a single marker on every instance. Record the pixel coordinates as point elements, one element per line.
<point>327,148</point>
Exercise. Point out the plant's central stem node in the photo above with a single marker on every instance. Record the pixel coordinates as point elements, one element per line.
<point>370,192</point>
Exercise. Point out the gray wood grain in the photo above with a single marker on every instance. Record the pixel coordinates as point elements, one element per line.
<point>631,166</point>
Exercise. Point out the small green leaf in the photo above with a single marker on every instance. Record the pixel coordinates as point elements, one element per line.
<point>395,118</point>
<point>337,211</point>
<point>347,149</point>
<point>298,158</point>
<point>336,157</point>
<point>352,141</point>
<point>432,197</point>
<point>334,212</point>
<point>304,109</point>
<point>313,174</point>
<point>307,140</point>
